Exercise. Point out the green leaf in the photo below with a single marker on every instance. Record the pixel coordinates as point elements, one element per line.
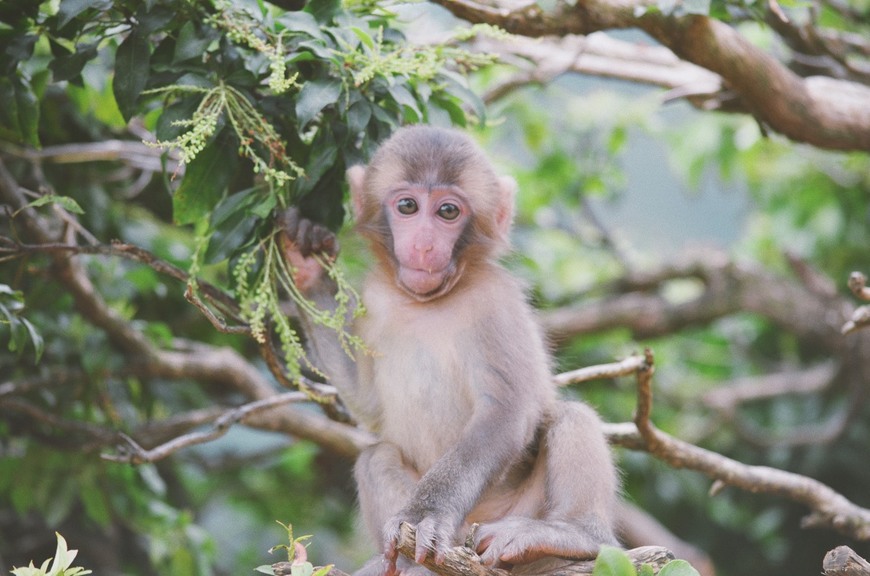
<point>364,37</point>
<point>35,338</point>
<point>205,180</point>
<point>19,111</point>
<point>358,116</point>
<point>323,570</point>
<point>132,63</point>
<point>612,561</point>
<point>323,10</point>
<point>265,569</point>
<point>70,66</point>
<point>324,153</point>
<point>28,114</point>
<point>678,568</point>
<point>455,85</point>
<point>191,44</point>
<point>406,100</point>
<point>314,97</point>
<point>66,202</point>
<point>646,570</point>
<point>301,22</point>
<point>69,9</point>
<point>304,569</point>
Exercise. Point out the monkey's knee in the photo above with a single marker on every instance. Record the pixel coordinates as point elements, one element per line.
<point>582,479</point>
<point>376,460</point>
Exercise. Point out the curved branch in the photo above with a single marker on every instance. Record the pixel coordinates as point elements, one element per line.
<point>828,508</point>
<point>820,111</point>
<point>728,288</point>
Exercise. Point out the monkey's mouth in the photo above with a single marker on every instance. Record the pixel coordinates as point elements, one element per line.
<point>425,284</point>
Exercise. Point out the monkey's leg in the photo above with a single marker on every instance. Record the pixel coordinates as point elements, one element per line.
<point>384,483</point>
<point>579,496</point>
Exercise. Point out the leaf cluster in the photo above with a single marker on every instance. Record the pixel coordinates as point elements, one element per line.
<point>612,561</point>
<point>266,108</point>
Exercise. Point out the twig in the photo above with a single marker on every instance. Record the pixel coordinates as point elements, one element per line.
<point>462,561</point>
<point>861,316</point>
<point>601,371</point>
<point>12,249</point>
<point>132,453</point>
<point>220,324</point>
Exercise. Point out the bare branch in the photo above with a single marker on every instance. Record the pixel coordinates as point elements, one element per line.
<point>861,316</point>
<point>729,288</point>
<point>543,59</point>
<point>858,286</point>
<point>12,249</point>
<point>821,111</point>
<point>131,152</point>
<point>133,453</point>
<point>843,561</point>
<point>600,371</point>
<point>728,397</point>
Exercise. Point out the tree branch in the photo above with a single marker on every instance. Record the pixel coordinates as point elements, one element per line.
<point>729,288</point>
<point>541,60</point>
<point>861,316</point>
<point>132,453</point>
<point>827,507</point>
<point>821,111</point>
<point>463,561</point>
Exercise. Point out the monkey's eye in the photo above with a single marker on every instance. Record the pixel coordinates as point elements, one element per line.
<point>448,211</point>
<point>406,206</point>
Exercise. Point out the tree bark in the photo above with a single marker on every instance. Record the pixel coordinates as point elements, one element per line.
<point>821,111</point>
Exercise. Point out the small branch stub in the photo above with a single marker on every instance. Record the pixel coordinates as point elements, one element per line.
<point>861,316</point>
<point>843,561</point>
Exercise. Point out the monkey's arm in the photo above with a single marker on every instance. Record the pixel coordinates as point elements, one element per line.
<point>301,239</point>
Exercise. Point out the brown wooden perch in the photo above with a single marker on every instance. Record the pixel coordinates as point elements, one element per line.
<point>843,561</point>
<point>462,561</point>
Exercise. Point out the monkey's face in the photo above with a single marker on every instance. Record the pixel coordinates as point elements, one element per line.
<point>427,225</point>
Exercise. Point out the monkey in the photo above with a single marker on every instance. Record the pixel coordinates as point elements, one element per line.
<point>457,386</point>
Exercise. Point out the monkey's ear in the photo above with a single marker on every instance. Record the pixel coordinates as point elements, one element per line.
<point>356,176</point>
<point>504,218</point>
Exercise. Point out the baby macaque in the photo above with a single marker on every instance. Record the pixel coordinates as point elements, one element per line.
<point>458,386</point>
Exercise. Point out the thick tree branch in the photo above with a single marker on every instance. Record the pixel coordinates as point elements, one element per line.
<point>541,60</point>
<point>728,288</point>
<point>821,111</point>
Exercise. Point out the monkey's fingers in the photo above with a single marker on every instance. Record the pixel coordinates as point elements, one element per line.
<point>433,537</point>
<point>305,236</point>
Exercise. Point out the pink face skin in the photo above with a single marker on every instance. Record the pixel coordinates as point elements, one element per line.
<point>426,224</point>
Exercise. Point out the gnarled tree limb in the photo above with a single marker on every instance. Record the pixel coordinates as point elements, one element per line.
<point>821,111</point>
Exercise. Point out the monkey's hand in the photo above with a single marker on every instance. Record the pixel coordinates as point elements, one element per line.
<point>301,239</point>
<point>435,531</point>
